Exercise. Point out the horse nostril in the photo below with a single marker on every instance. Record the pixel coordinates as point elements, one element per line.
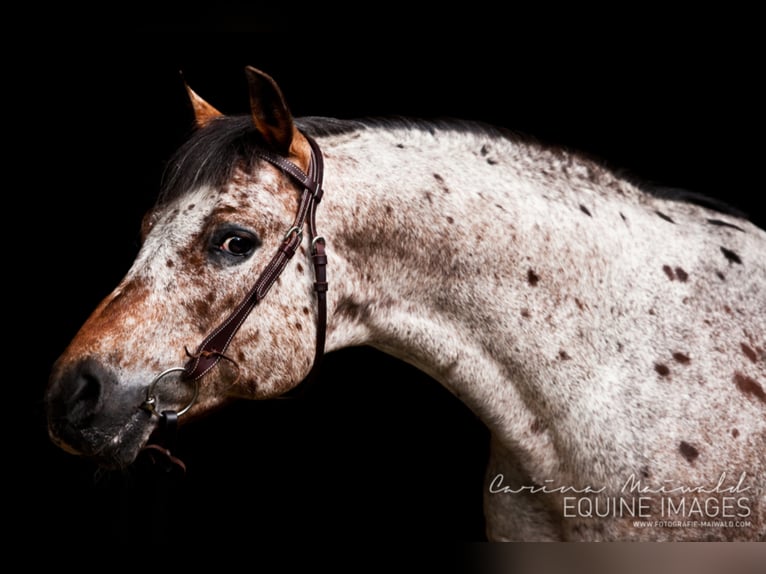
<point>77,393</point>
<point>85,395</point>
<point>79,405</point>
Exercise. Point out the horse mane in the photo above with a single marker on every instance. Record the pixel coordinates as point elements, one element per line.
<point>319,126</point>
<point>687,196</point>
<point>212,154</point>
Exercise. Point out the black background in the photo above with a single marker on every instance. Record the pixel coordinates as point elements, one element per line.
<point>381,452</point>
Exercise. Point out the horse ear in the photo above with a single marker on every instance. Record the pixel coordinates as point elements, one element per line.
<point>272,117</point>
<point>204,113</point>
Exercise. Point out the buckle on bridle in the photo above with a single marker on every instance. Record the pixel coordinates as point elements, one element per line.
<point>317,239</point>
<point>294,230</point>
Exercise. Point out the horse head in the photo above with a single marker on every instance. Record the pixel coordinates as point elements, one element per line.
<point>222,214</point>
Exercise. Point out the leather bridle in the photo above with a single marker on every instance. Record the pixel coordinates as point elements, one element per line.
<point>214,346</point>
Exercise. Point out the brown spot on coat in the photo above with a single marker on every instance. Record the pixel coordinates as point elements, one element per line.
<point>442,183</point>
<point>735,433</point>
<point>663,216</point>
<point>538,427</point>
<point>564,356</point>
<point>749,386</point>
<point>722,223</point>
<point>201,309</point>
<point>749,353</point>
<point>731,256</point>
<point>689,452</point>
<point>681,358</point>
<point>353,309</point>
<point>679,273</point>
<point>662,370</point>
<point>532,278</point>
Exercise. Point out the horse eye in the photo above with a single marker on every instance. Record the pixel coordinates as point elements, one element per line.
<point>239,244</point>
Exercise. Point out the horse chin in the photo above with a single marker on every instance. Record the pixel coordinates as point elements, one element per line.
<point>110,449</point>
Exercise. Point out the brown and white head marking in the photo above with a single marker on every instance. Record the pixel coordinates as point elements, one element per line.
<point>220,217</point>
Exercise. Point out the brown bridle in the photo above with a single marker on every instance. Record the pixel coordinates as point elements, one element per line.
<point>212,349</point>
<point>214,346</point>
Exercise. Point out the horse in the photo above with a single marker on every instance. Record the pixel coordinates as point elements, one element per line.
<point>611,338</point>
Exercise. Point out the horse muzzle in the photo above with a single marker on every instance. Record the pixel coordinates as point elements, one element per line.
<point>92,414</point>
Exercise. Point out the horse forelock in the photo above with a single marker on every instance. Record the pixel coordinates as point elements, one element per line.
<point>211,156</point>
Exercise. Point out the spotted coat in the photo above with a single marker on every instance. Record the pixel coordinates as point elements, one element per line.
<point>602,333</point>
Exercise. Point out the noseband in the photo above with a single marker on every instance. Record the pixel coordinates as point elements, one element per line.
<point>214,346</point>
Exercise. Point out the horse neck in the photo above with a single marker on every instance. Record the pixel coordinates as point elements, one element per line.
<point>436,241</point>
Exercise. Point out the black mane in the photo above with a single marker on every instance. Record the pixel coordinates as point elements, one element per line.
<point>211,154</point>
<point>686,196</point>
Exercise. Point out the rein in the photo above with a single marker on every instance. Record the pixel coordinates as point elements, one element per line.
<point>214,346</point>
